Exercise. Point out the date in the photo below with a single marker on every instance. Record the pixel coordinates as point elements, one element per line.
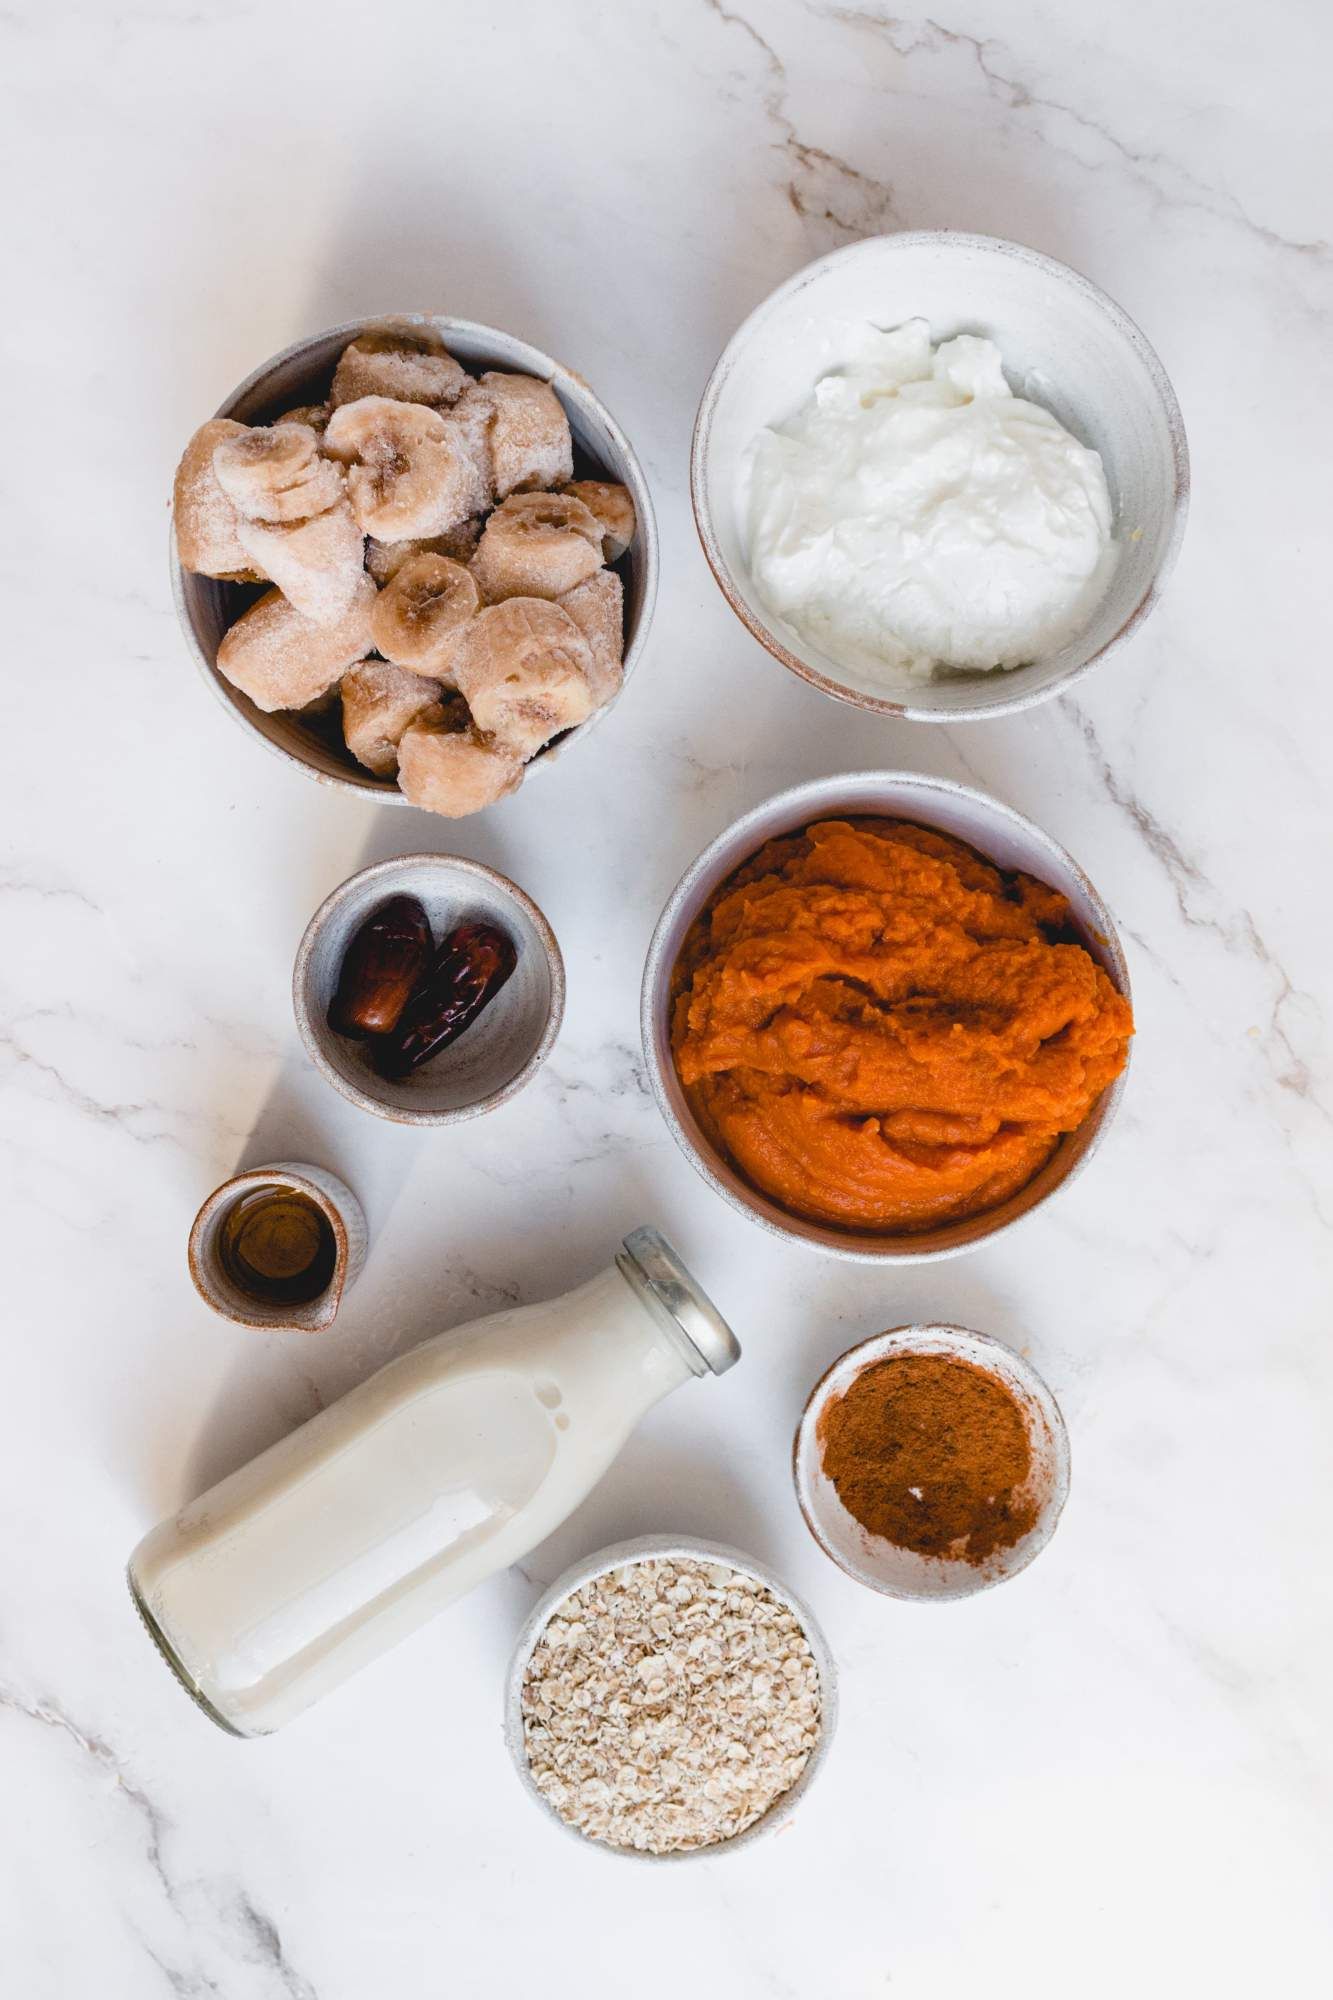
<point>468,971</point>
<point>381,969</point>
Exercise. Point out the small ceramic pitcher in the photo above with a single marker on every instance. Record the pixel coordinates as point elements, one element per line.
<point>217,1287</point>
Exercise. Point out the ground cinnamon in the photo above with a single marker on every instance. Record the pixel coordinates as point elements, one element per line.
<point>932,1453</point>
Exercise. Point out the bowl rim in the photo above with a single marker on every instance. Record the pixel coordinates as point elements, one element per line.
<point>366,785</point>
<point>453,864</point>
<point>920,1336</point>
<point>812,799</point>
<point>770,640</point>
<point>662,1547</point>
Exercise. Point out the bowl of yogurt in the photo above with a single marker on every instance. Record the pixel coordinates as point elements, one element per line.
<point>939,476</point>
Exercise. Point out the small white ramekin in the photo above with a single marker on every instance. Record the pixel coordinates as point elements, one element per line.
<point>997,832</point>
<point>1064,344</point>
<point>666,1548</point>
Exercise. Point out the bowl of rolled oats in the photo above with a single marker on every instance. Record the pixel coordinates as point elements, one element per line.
<point>414,557</point>
<point>669,1699</point>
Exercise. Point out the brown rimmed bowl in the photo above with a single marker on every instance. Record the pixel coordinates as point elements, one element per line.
<point>340,1209</point>
<point>301,374</point>
<point>507,1043</point>
<point>880,1565</point>
<point>665,1548</point>
<point>1001,836</point>
<point>1064,344</point>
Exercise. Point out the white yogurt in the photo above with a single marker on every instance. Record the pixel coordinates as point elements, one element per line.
<point>916,515</point>
<point>270,1590</point>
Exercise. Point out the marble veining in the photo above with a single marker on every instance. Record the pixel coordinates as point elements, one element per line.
<point>1113,1775</point>
<point>1162,176</point>
<point>242,1936</point>
<point>821,186</point>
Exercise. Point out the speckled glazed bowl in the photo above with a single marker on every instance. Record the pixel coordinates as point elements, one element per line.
<point>1065,345</point>
<point>340,1209</point>
<point>665,1548</point>
<point>505,1046</point>
<point>301,374</point>
<point>996,831</point>
<point>900,1572</point>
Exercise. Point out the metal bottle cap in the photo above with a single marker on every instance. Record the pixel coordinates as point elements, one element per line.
<point>677,1302</point>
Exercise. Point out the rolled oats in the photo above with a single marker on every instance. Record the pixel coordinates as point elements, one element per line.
<point>668,1705</point>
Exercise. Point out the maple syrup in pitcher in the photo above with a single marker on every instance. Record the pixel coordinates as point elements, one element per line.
<point>277,1246</point>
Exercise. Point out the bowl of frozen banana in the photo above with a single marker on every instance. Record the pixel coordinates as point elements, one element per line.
<point>414,557</point>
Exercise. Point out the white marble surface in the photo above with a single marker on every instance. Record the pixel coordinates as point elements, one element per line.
<point>1111,1776</point>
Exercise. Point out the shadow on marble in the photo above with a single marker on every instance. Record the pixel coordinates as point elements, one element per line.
<point>770,731</point>
<point>440,254</point>
<point>303,1120</point>
<point>656,1486</point>
<point>393,832</point>
<point>957,1292</point>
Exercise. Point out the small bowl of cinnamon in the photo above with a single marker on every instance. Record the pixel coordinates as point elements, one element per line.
<point>931,1462</point>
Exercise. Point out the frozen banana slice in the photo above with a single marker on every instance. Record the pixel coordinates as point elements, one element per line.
<point>419,616</point>
<point>529,434</point>
<point>536,545</point>
<point>379,701</point>
<point>523,669</point>
<point>282,660</point>
<point>315,415</point>
<point>597,607</point>
<point>385,559</point>
<point>453,772</point>
<point>613,509</point>
<point>410,366</point>
<point>407,475</point>
<point>318,565</point>
<point>205,518</point>
<point>469,424</point>
<point>277,474</point>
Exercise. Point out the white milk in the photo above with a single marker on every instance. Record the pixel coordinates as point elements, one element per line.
<point>275,1586</point>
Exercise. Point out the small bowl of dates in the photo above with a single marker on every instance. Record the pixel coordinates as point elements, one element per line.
<point>428,989</point>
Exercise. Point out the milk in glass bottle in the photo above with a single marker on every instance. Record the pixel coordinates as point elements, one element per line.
<point>449,1464</point>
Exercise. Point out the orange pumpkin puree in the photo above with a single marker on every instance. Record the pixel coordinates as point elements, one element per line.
<point>883,1031</point>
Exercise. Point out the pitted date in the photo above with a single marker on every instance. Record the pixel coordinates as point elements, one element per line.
<point>468,971</point>
<point>381,968</point>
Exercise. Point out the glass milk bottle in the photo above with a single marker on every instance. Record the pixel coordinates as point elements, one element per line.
<point>449,1464</point>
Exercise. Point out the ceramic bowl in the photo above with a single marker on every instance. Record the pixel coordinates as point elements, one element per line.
<point>667,1548</point>
<point>340,1209</point>
<point>1065,345</point>
<point>999,833</point>
<point>301,374</point>
<point>504,1047</point>
<point>900,1572</point>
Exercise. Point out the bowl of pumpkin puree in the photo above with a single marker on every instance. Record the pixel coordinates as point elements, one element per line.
<point>887,1015</point>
